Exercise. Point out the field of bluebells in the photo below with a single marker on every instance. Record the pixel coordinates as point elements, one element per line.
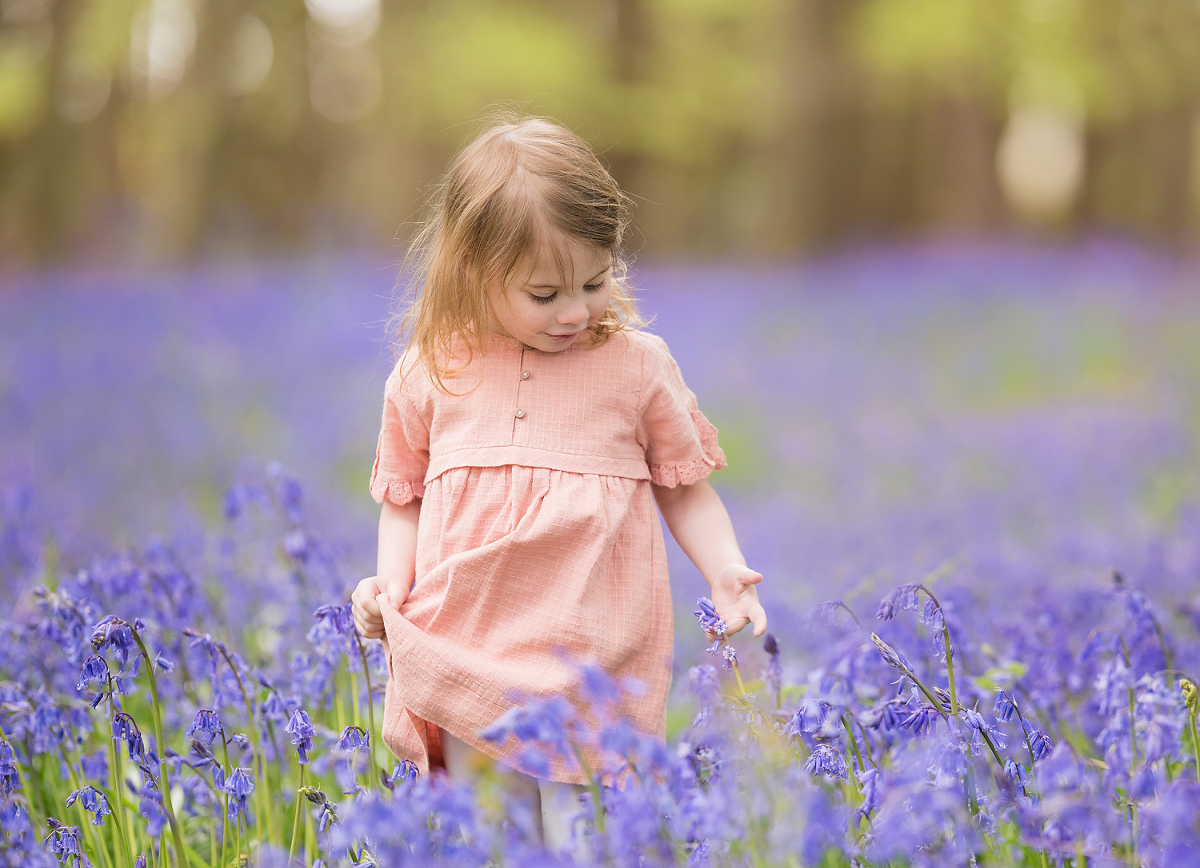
<point>971,477</point>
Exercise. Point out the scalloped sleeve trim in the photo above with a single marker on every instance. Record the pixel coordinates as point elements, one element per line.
<point>687,472</point>
<point>396,491</point>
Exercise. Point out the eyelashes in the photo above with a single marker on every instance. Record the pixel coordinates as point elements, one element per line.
<point>547,299</point>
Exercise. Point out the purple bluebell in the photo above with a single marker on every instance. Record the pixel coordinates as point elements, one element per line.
<point>597,686</point>
<point>162,664</point>
<point>809,718</point>
<point>890,655</point>
<point>353,739</point>
<point>1014,771</point>
<point>205,726</point>
<point>1040,744</point>
<point>302,731</point>
<point>10,778</point>
<point>125,729</point>
<point>93,801</point>
<point>902,597</point>
<point>297,545</point>
<point>868,785</point>
<point>405,770</point>
<point>921,720</point>
<point>327,814</point>
<point>150,808</point>
<point>140,862</point>
<point>707,615</point>
<point>64,844</point>
<point>95,668</point>
<point>240,785</point>
<point>1005,706</point>
<point>826,760</point>
<point>774,666</point>
<point>116,634</point>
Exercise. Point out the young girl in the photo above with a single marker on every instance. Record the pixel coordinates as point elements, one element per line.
<point>528,431</point>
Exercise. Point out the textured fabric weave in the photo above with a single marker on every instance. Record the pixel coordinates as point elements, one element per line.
<point>538,544</point>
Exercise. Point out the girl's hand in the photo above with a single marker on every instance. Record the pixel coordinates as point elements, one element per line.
<point>368,619</point>
<point>736,599</point>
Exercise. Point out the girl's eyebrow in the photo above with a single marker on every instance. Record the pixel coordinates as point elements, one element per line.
<point>558,286</point>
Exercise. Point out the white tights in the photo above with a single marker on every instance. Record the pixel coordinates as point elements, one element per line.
<point>554,805</point>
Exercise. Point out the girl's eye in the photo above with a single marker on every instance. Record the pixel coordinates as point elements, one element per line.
<point>543,299</point>
<point>594,287</point>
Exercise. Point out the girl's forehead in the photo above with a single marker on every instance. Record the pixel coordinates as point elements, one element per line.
<point>564,256</point>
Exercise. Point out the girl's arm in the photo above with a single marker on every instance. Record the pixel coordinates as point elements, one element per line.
<point>396,567</point>
<point>697,519</point>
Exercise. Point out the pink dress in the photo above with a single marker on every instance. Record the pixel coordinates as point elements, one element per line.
<point>538,543</point>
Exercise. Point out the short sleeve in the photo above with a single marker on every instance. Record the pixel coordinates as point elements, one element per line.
<point>680,443</point>
<point>402,453</point>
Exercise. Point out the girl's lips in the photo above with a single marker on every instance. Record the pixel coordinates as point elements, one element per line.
<point>565,337</point>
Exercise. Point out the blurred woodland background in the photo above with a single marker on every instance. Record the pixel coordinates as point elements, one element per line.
<point>142,131</point>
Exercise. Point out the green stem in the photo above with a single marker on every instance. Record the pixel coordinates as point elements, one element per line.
<point>1195,743</point>
<point>738,676</point>
<point>93,835</point>
<point>165,788</point>
<point>853,743</point>
<point>296,818</point>
<point>593,787</point>
<point>255,753</point>
<point>362,653</point>
<point>118,784</point>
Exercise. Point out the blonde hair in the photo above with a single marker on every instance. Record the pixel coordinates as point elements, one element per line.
<point>506,196</point>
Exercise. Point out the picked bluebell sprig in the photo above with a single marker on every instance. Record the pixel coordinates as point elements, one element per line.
<point>714,625</point>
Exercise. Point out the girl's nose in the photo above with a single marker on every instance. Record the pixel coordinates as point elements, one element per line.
<point>574,311</point>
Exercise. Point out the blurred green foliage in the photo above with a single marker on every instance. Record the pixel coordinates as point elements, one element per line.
<point>163,129</point>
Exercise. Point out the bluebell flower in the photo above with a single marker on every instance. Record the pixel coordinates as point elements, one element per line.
<point>887,715</point>
<point>10,778</point>
<point>296,544</point>
<point>327,814</point>
<point>890,655</point>
<point>868,785</point>
<point>140,862</point>
<point>353,739</point>
<point>64,844</point>
<point>980,728</point>
<point>707,615</point>
<point>239,785</point>
<point>405,770</point>
<point>93,801</point>
<point>95,668</point>
<point>774,666</point>
<point>597,686</point>
<point>903,597</point>
<point>826,760</point>
<point>112,632</point>
<point>921,720</point>
<point>1014,771</point>
<point>207,724</point>
<point>1040,744</point>
<point>1005,706</point>
<point>150,807</point>
<point>288,491</point>
<point>302,731</point>
<point>809,718</point>
<point>125,729</point>
<point>162,664</point>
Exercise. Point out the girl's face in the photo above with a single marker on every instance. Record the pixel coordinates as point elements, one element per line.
<point>547,310</point>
